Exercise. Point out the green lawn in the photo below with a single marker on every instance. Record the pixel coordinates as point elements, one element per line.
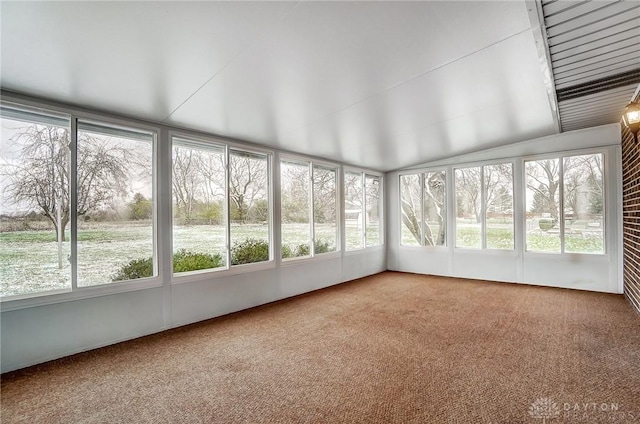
<point>29,259</point>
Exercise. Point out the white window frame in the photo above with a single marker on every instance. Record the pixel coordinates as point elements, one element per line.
<point>420,172</point>
<point>363,173</point>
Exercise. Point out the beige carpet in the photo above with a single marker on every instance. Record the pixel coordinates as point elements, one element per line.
<point>391,348</point>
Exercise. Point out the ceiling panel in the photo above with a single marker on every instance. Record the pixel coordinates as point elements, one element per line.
<point>374,84</point>
<point>594,48</point>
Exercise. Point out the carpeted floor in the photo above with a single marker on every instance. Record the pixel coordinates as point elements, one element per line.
<point>390,348</point>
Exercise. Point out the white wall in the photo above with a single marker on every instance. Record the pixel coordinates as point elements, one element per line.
<point>36,334</point>
<point>578,271</point>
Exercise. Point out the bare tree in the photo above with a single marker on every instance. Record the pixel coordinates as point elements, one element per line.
<point>416,215</point>
<point>41,180</point>
<point>248,186</point>
<point>543,178</point>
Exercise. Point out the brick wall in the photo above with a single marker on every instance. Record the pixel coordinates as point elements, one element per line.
<point>631,216</point>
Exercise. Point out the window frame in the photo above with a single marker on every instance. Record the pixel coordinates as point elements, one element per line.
<point>363,236</point>
<point>483,206</point>
<point>420,172</point>
<point>561,155</point>
<point>311,163</point>
<point>207,274</point>
<point>75,292</point>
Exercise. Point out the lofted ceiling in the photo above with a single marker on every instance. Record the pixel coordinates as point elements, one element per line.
<point>381,85</point>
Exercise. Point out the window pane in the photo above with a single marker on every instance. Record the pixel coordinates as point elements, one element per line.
<point>542,198</point>
<point>296,225</point>
<point>411,210</point>
<point>498,186</point>
<point>199,215</point>
<point>34,204</point>
<point>372,217</point>
<point>249,207</point>
<point>468,208</point>
<point>115,205</point>
<point>353,210</point>
<point>583,204</point>
<point>435,215</point>
<point>324,209</point>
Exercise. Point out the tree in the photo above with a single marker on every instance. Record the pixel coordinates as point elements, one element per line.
<point>415,215</point>
<point>543,178</point>
<point>140,207</point>
<point>41,180</point>
<point>248,185</point>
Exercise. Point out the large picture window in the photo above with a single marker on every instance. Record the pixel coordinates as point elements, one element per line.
<point>565,204</point>
<point>35,202</point>
<point>303,184</point>
<point>115,207</point>
<point>484,207</point>
<point>423,209</point>
<point>80,211</point>
<point>199,206</point>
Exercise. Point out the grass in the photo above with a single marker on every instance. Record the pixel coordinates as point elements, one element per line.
<point>29,259</point>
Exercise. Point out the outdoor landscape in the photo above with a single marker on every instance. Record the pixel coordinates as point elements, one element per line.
<point>116,208</point>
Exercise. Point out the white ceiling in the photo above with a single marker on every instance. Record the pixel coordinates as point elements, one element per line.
<point>381,85</point>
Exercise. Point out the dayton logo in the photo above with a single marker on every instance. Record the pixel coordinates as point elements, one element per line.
<point>544,408</point>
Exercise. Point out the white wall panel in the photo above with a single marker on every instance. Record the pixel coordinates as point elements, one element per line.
<point>42,333</point>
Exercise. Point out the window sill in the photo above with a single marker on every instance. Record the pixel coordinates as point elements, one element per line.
<point>31,300</point>
<point>219,273</point>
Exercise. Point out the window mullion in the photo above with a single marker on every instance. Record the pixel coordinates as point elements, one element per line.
<point>422,188</point>
<point>73,181</point>
<point>227,205</point>
<point>561,201</point>
<point>483,210</point>
<point>311,199</point>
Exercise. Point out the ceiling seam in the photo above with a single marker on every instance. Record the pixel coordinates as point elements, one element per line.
<point>233,59</point>
<point>398,84</point>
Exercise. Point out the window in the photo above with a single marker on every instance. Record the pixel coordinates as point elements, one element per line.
<point>484,207</point>
<point>303,184</point>
<point>583,204</point>
<point>573,185</point>
<point>423,209</point>
<point>325,208</point>
<point>372,210</point>
<point>498,206</point>
<point>295,201</point>
<point>362,205</point>
<point>249,209</point>
<point>199,206</point>
<point>115,207</point>
<point>35,202</point>
<point>56,239</point>
<point>468,208</point>
<point>353,205</point>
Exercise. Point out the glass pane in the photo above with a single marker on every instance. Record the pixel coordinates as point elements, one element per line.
<point>115,207</point>
<point>435,215</point>
<point>249,207</point>
<point>34,204</point>
<point>583,204</point>
<point>411,210</point>
<point>372,217</point>
<point>324,209</point>
<point>498,186</point>
<point>199,215</point>
<point>353,219</point>
<point>542,199</point>
<point>468,208</point>
<point>296,225</point>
